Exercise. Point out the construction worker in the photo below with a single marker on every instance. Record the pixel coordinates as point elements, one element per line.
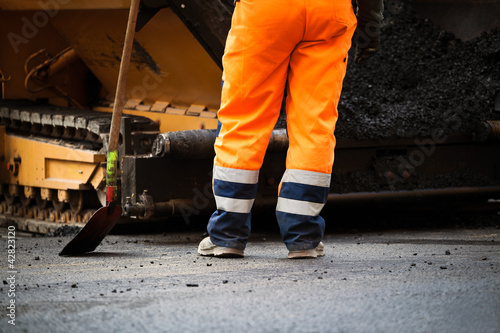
<point>271,42</point>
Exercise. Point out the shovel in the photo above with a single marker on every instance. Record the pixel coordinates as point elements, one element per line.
<point>104,219</point>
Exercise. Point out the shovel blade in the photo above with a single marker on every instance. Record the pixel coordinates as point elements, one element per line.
<point>91,235</point>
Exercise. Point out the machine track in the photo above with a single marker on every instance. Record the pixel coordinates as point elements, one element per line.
<point>66,123</point>
<point>43,209</point>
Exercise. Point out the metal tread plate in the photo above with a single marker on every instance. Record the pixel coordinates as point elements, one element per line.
<point>65,122</point>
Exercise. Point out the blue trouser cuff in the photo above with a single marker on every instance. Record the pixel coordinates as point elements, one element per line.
<point>229,229</point>
<point>300,232</point>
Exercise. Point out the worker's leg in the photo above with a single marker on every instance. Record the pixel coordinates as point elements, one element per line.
<point>317,69</point>
<point>263,35</point>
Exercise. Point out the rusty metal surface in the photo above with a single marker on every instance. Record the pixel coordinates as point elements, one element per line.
<point>22,37</point>
<point>167,63</point>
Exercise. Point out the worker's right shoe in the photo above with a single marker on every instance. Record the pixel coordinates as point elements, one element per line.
<point>319,251</point>
<point>209,249</point>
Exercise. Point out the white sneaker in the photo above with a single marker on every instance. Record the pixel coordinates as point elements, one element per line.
<point>319,251</point>
<point>207,248</point>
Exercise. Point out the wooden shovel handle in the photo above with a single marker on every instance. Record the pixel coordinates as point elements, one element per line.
<point>122,76</point>
<point>114,133</point>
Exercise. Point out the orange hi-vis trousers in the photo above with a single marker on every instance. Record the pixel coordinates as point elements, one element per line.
<point>271,42</point>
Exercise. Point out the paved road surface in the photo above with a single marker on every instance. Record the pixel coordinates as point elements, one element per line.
<point>420,281</point>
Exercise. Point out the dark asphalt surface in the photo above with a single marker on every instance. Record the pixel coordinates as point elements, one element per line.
<point>391,281</point>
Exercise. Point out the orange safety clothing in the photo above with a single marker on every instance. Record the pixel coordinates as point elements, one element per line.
<point>271,42</point>
<point>304,41</point>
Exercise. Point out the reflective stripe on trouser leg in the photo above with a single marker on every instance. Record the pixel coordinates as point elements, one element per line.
<point>234,191</point>
<point>255,65</point>
<point>301,198</point>
<point>307,43</point>
<point>317,68</point>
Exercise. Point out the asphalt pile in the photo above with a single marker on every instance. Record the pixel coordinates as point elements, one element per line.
<point>423,79</point>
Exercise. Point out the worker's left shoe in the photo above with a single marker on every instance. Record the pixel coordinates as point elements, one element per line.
<point>209,249</point>
<point>319,251</point>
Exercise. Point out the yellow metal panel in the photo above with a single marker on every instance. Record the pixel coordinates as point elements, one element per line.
<point>62,171</point>
<point>168,63</point>
<point>21,35</point>
<point>48,165</point>
<point>98,179</point>
<point>171,122</point>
